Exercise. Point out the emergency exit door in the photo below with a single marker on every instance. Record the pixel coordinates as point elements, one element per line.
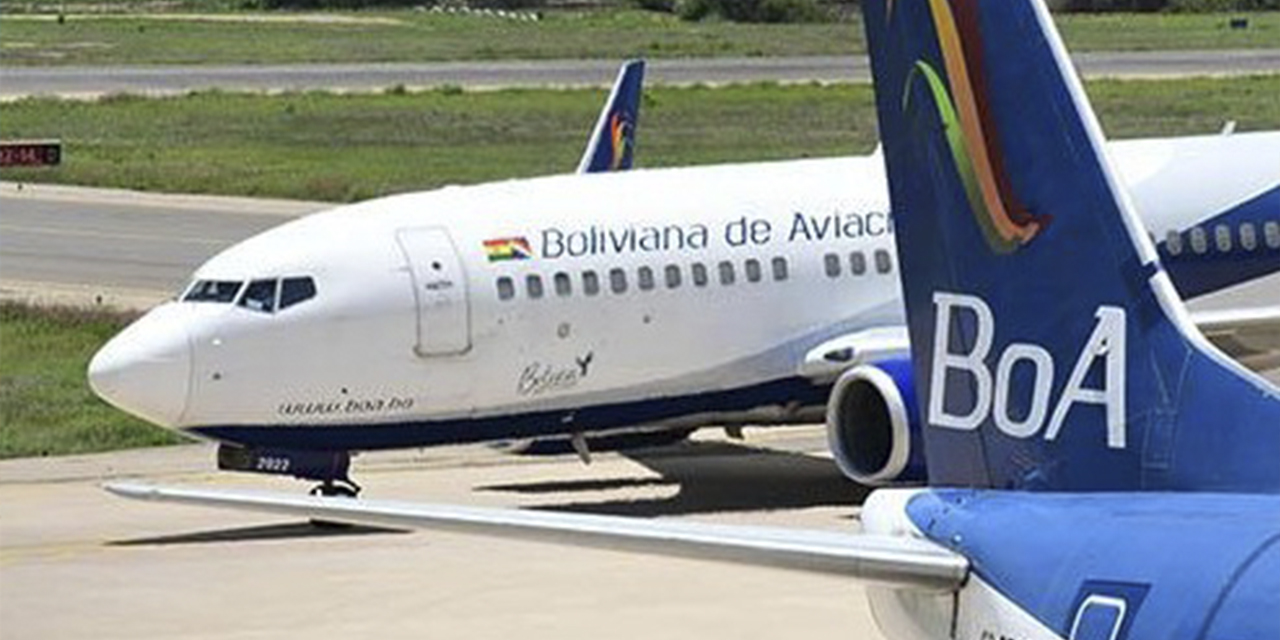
<point>439,290</point>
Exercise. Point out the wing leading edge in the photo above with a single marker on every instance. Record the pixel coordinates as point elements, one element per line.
<point>896,561</point>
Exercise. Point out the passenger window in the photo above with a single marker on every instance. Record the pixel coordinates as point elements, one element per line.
<point>260,295</point>
<point>506,288</point>
<point>726,272</point>
<point>533,285</point>
<point>779,269</point>
<point>617,280</point>
<point>1222,237</point>
<point>212,291</point>
<point>644,278</point>
<point>296,290</point>
<point>1271,233</point>
<point>831,264</point>
<point>563,286</point>
<point>1248,236</point>
<point>884,262</point>
<point>1173,243</point>
<point>752,267</point>
<point>857,263</point>
<point>672,274</point>
<point>699,272</point>
<point>590,283</point>
<point>1199,243</point>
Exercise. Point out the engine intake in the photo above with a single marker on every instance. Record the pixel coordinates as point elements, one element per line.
<point>872,428</point>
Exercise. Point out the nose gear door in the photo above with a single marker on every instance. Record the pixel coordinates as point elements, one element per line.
<point>439,290</point>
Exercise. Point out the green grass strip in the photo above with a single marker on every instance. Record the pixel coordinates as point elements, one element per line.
<point>352,147</point>
<point>46,407</point>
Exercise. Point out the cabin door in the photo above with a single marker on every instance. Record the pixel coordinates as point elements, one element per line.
<point>439,290</point>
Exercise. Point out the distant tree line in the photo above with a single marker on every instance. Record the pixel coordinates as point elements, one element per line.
<point>508,5</point>
<point>822,10</point>
<point>767,11</point>
<point>1148,6</point>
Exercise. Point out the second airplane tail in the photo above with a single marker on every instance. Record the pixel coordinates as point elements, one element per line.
<point>1050,349</point>
<point>612,143</point>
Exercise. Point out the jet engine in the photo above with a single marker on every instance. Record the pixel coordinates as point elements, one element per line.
<point>872,425</point>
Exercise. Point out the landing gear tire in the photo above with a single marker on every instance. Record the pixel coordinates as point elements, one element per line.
<point>334,489</point>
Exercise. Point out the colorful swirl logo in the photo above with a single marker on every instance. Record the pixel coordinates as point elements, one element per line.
<point>620,137</point>
<point>970,129</point>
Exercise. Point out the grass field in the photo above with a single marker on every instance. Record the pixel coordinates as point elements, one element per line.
<point>322,146</point>
<point>341,148</point>
<point>46,407</point>
<point>407,36</point>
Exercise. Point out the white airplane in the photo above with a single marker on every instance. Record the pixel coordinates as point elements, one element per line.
<point>582,304</point>
<point>1101,472</point>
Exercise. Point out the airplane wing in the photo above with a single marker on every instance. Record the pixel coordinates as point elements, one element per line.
<point>896,561</point>
<point>613,139</point>
<point>1250,335</point>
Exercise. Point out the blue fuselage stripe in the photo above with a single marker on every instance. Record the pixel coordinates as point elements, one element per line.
<point>1196,273</point>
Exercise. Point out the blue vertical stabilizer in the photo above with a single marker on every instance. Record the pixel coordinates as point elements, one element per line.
<point>613,140</point>
<point>1050,349</point>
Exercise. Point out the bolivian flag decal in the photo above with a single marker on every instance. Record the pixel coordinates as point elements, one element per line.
<point>514,248</point>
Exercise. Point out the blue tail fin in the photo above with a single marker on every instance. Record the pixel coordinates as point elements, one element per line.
<point>613,140</point>
<point>1050,349</point>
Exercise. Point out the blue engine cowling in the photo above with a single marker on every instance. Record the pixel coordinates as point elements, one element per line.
<point>873,428</point>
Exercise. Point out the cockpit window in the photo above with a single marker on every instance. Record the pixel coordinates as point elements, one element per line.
<point>260,295</point>
<point>212,291</point>
<point>295,290</point>
<point>266,295</point>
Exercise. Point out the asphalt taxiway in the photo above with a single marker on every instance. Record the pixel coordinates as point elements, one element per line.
<point>76,562</point>
<point>16,82</point>
<point>131,249</point>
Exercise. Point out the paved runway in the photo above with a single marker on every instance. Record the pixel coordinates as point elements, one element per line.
<point>90,242</point>
<point>78,563</point>
<point>88,81</point>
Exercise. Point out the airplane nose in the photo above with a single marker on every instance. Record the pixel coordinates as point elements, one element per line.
<point>146,369</point>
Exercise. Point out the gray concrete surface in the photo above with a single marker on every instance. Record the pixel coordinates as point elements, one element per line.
<point>78,563</point>
<point>68,244</point>
<point>92,81</point>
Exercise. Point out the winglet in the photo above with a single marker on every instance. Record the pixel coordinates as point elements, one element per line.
<point>613,140</point>
<point>1050,349</point>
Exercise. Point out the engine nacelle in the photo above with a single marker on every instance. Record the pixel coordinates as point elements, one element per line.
<point>872,425</point>
<point>304,465</point>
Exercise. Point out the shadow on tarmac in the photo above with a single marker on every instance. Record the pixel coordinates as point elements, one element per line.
<point>712,477</point>
<point>294,530</point>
